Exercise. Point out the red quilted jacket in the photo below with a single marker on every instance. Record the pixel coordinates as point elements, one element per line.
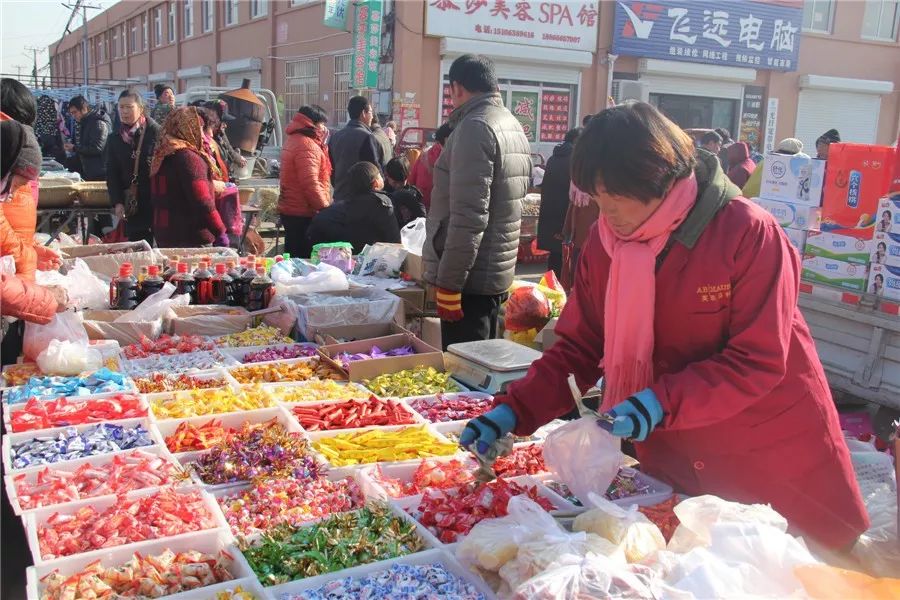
<point>305,170</point>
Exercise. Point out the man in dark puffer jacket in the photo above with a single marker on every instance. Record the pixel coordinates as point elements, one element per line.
<point>473,224</point>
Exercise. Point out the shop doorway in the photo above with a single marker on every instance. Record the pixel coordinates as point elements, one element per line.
<point>697,112</point>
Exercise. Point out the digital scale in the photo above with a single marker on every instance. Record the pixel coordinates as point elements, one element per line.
<point>489,365</point>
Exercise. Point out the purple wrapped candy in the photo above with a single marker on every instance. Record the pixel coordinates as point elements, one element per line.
<point>70,444</point>
<point>279,353</point>
<point>345,358</point>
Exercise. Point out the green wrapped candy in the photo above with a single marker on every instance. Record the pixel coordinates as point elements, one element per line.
<point>421,381</point>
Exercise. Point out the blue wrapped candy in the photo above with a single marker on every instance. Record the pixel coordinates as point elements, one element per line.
<point>98,382</point>
<point>70,444</point>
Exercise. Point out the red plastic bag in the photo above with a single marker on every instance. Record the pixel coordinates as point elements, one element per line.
<point>527,308</point>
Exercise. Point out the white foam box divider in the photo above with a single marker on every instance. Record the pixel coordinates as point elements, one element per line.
<point>275,591</point>
<point>142,367</point>
<point>71,466</point>
<point>659,491</point>
<point>289,361</point>
<point>426,557</point>
<point>248,584</point>
<point>207,375</point>
<point>314,436</point>
<point>403,471</point>
<point>9,409</point>
<point>436,398</point>
<point>239,353</point>
<point>210,541</point>
<point>416,417</point>
<point>38,517</point>
<point>236,389</point>
<point>278,391</point>
<point>11,439</point>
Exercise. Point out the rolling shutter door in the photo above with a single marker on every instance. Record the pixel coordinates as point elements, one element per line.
<point>234,80</point>
<point>854,115</point>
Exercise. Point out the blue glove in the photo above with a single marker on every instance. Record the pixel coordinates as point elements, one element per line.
<point>488,428</point>
<point>637,416</point>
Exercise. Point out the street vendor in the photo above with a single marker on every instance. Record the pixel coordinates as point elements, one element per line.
<point>685,302</point>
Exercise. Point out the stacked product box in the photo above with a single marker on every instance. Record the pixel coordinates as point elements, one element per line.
<point>884,274</point>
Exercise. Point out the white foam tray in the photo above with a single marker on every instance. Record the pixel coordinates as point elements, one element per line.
<point>403,471</point>
<point>9,409</point>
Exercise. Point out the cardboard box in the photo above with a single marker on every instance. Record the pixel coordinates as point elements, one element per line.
<point>414,267</point>
<point>885,249</point>
<point>884,281</point>
<point>211,320</point>
<point>790,215</point>
<point>413,300</point>
<point>797,238</point>
<point>341,333</point>
<point>837,273</point>
<point>359,370</point>
<point>431,332</point>
<point>858,176</point>
<point>795,179</point>
<point>838,247</point>
<point>369,305</point>
<point>101,325</point>
<point>105,259</point>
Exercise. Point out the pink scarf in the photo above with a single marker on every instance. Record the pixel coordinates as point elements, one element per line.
<point>631,294</point>
<point>128,131</point>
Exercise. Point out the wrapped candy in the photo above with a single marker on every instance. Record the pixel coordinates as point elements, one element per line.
<point>263,335</point>
<point>313,391</point>
<point>276,372</point>
<point>429,474</point>
<point>174,363</point>
<point>275,502</point>
<point>121,473</point>
<point>345,358</point>
<point>257,450</point>
<point>457,407</point>
<point>14,375</point>
<point>168,344</point>
<point>63,412</point>
<point>399,581</point>
<point>163,514</point>
<point>352,414</point>
<point>238,593</point>
<point>162,382</point>
<point>421,381</point>
<point>377,445</point>
<point>279,353</point>
<point>196,403</point>
<point>98,382</point>
<point>563,490</point>
<point>663,516</point>
<point>626,484</point>
<point>189,438</point>
<point>341,541</point>
<point>70,444</point>
<point>152,576</point>
<point>524,460</point>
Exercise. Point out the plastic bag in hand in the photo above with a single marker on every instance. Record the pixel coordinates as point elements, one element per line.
<point>585,457</point>
<point>286,318</point>
<point>85,289</point>
<point>412,236</point>
<point>593,576</point>
<point>68,358</point>
<point>65,326</point>
<point>629,529</point>
<point>527,308</point>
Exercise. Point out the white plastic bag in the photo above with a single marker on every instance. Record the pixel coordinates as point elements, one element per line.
<point>699,514</point>
<point>592,577</point>
<point>65,326</point>
<point>85,289</point>
<point>69,358</point>
<point>878,549</point>
<point>585,457</point>
<point>286,318</point>
<point>7,265</point>
<point>156,306</point>
<point>325,278</point>
<point>381,260</point>
<point>412,236</point>
<point>629,529</point>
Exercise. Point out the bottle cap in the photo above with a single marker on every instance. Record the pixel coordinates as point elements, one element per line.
<point>260,270</point>
<point>278,259</point>
<point>202,266</point>
<point>220,268</point>
<point>182,267</point>
<point>124,270</point>
<point>153,270</point>
<point>286,256</point>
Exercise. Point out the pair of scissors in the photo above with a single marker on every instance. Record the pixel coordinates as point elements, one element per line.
<point>589,403</point>
<point>500,447</point>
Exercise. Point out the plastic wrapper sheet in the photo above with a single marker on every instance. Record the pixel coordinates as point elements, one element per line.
<point>355,307</point>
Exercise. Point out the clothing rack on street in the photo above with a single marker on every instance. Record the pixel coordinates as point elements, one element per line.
<point>81,215</point>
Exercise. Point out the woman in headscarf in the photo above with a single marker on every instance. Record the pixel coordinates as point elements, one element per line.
<point>181,186</point>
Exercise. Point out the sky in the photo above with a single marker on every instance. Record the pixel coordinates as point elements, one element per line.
<point>34,23</point>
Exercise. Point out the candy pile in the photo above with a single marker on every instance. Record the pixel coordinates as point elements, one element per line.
<point>563,490</point>
<point>238,593</point>
<point>99,382</point>
<point>122,473</point>
<point>160,382</point>
<point>258,449</point>
<point>421,381</point>
<point>276,372</point>
<point>163,514</point>
<point>377,445</point>
<point>313,391</point>
<point>524,460</point>
<point>174,363</point>
<point>70,444</point>
<point>142,576</point>
<point>196,403</point>
<point>626,485</point>
<point>663,516</point>
<point>400,581</point>
<point>352,414</point>
<point>451,513</point>
<point>279,353</point>
<point>345,358</point>
<point>456,407</point>
<point>189,438</point>
<point>257,336</point>
<point>429,474</point>
<point>341,541</point>
<point>20,374</point>
<point>275,502</point>
<point>168,344</point>
<point>62,412</point>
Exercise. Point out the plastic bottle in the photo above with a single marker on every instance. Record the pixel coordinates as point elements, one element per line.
<point>269,263</point>
<point>142,275</point>
<point>278,259</point>
<point>286,256</point>
<point>243,284</point>
<point>173,268</point>
<point>184,282</point>
<point>152,283</point>
<point>204,284</point>
<point>123,289</point>
<point>251,263</point>
<point>222,287</point>
<point>235,274</point>
<point>261,291</point>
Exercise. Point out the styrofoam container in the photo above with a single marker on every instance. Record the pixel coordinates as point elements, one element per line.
<point>71,466</point>
<point>402,471</point>
<point>12,439</point>
<point>248,584</point>
<point>210,374</point>
<point>35,518</point>
<point>9,409</point>
<point>416,417</point>
<point>317,435</point>
<point>435,398</point>
<point>659,491</point>
<point>275,389</point>
<point>210,541</point>
<point>426,557</point>
<point>142,367</point>
<point>236,389</point>
<point>239,353</point>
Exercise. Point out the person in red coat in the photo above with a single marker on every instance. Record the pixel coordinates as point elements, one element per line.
<point>305,177</point>
<point>685,302</point>
<point>422,173</point>
<point>741,166</point>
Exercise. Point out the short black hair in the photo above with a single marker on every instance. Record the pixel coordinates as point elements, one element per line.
<point>475,72</point>
<point>709,137</point>
<point>881,244</point>
<point>586,119</point>
<point>357,106</point>
<point>159,88</point>
<point>442,133</point>
<point>632,150</point>
<point>361,175</point>
<point>572,135</point>
<point>887,212</point>
<point>723,133</point>
<point>79,103</point>
<point>314,113</point>
<point>397,169</point>
<point>134,95</point>
<point>17,101</point>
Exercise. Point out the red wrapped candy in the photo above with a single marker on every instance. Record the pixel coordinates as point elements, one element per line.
<point>429,474</point>
<point>452,407</point>
<point>61,412</point>
<point>168,344</point>
<point>352,414</point>
<point>188,437</point>
<point>524,460</point>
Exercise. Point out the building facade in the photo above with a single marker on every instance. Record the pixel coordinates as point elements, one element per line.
<point>764,69</point>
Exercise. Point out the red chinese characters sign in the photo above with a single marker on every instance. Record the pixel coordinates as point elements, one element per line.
<point>366,44</point>
<point>554,115</point>
<point>570,24</point>
<point>446,103</point>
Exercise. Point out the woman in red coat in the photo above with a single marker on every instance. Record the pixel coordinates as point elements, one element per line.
<point>422,174</point>
<point>685,302</point>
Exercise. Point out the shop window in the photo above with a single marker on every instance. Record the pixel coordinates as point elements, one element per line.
<point>157,26</point>
<point>189,18</point>
<point>207,15</point>
<point>301,79</point>
<point>115,44</point>
<point>881,20</point>
<point>133,39</point>
<point>697,112</point>
<point>171,22</point>
<point>231,12</point>
<point>145,40</point>
<point>259,8</point>
<point>818,15</point>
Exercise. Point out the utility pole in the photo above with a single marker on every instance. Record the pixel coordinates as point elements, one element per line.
<point>19,69</point>
<point>34,70</point>
<point>80,4</point>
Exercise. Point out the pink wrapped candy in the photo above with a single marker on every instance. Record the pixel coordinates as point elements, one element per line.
<point>279,353</point>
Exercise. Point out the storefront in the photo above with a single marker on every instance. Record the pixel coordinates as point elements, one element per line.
<point>193,77</point>
<point>235,71</point>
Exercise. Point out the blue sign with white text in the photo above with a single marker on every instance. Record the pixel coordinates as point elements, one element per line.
<point>755,34</point>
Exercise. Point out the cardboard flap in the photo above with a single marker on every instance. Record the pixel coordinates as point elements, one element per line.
<point>427,356</point>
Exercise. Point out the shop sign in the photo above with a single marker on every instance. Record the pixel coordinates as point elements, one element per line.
<point>569,24</point>
<point>446,103</point>
<point>751,116</point>
<point>554,115</point>
<point>366,44</point>
<point>771,124</point>
<point>524,106</point>
<point>758,35</point>
<point>336,14</point>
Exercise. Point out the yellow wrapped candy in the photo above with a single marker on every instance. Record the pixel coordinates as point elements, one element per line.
<point>256,336</point>
<point>195,403</point>
<point>317,391</point>
<point>378,445</point>
<point>302,370</point>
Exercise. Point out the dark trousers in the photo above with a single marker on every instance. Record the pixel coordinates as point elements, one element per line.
<point>295,241</point>
<point>554,262</point>
<point>136,235</point>
<point>481,320</point>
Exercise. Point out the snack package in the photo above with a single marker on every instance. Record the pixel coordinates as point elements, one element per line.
<point>336,254</point>
<point>527,308</point>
